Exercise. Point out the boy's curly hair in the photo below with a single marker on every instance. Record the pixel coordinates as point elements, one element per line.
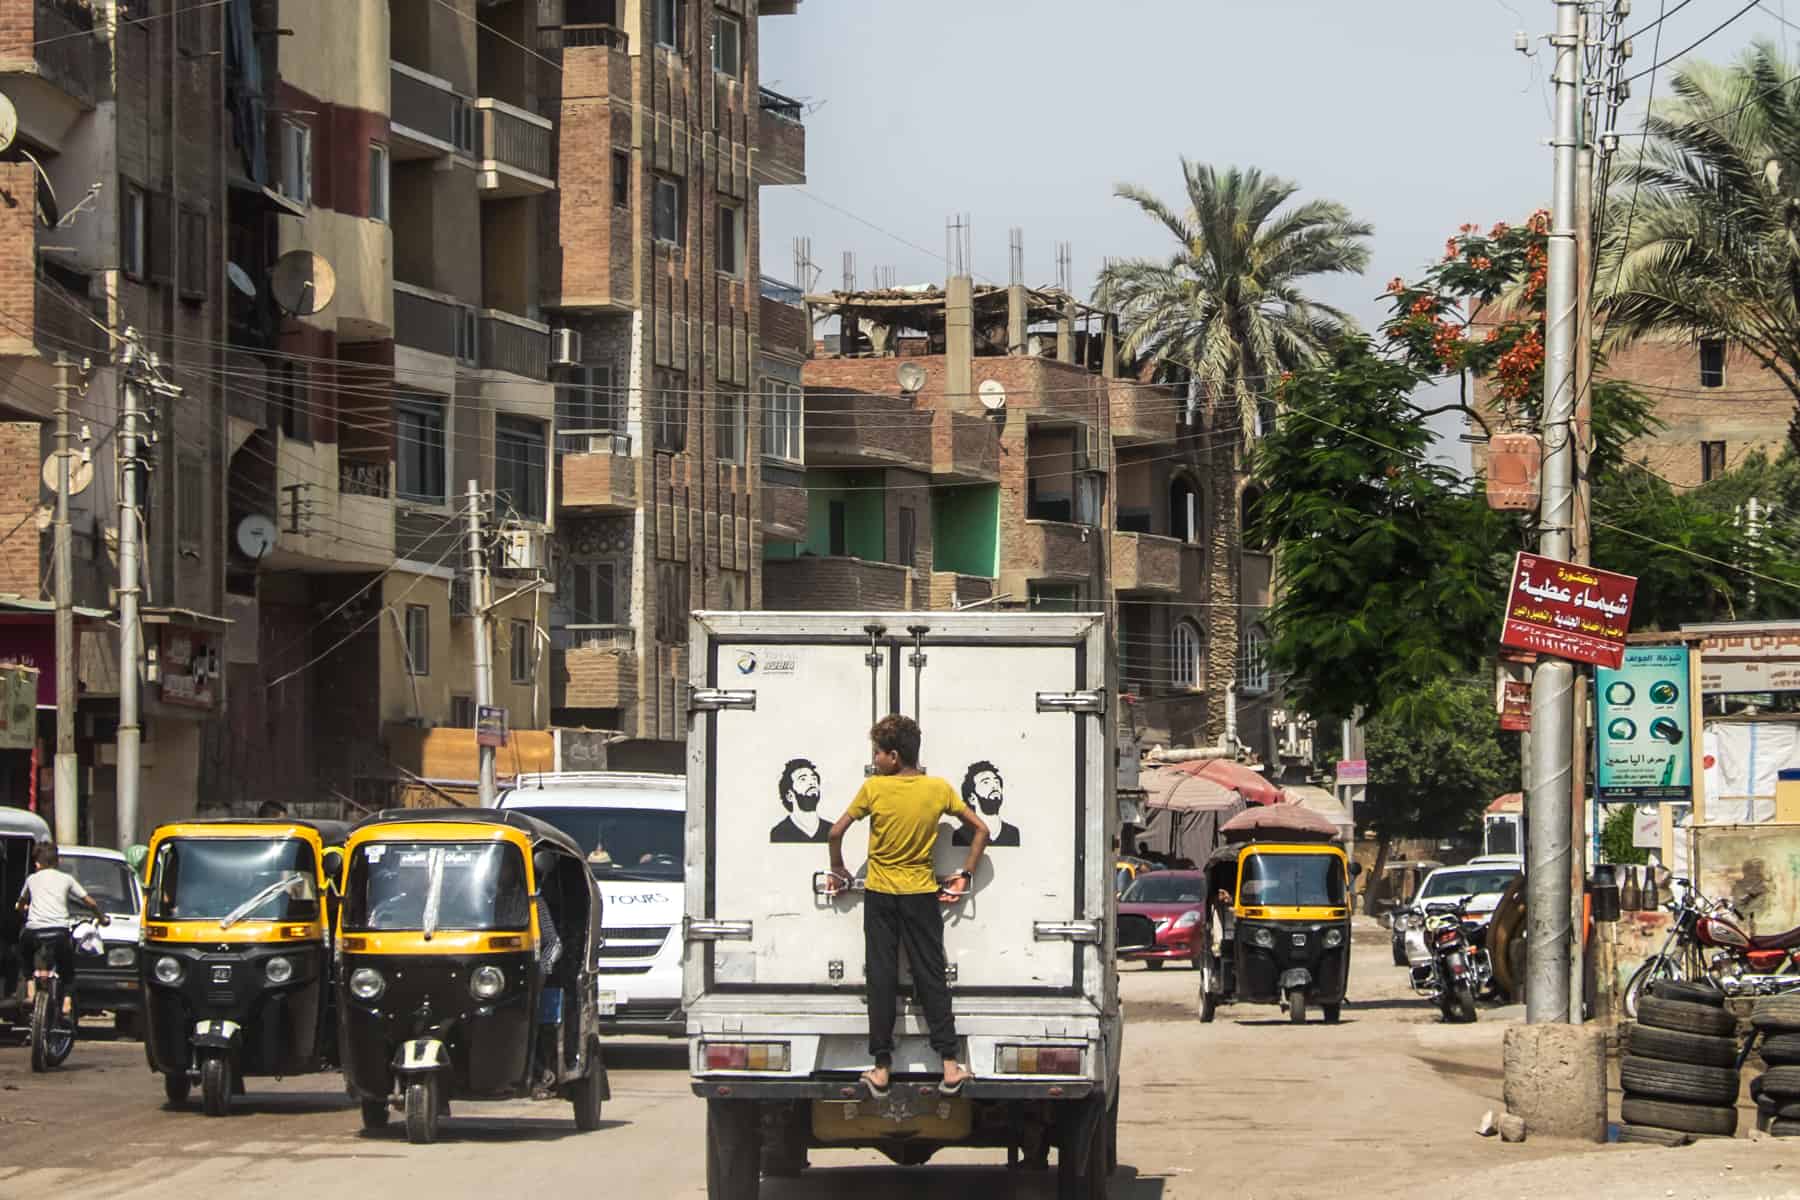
<point>899,735</point>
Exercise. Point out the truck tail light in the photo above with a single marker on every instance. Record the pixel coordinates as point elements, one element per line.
<point>745,1056</point>
<point>1040,1060</point>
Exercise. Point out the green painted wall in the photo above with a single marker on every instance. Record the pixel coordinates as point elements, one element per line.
<point>865,516</point>
<point>965,530</point>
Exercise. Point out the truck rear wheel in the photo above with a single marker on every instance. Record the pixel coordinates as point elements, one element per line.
<point>1084,1176</point>
<point>733,1149</point>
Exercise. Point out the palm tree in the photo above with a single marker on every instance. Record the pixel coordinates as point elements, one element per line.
<point>1225,310</point>
<point>1703,230</point>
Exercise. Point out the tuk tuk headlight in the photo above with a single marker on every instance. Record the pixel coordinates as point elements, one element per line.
<point>486,982</point>
<point>1333,938</point>
<point>366,983</point>
<point>168,971</point>
<point>278,970</point>
<point>1263,937</point>
<point>121,956</point>
<point>1187,920</point>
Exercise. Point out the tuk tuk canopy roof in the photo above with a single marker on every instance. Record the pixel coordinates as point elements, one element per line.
<point>1169,787</point>
<point>331,833</point>
<point>538,832</point>
<point>1279,823</point>
<point>22,821</point>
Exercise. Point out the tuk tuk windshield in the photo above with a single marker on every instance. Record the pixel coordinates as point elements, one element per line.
<point>437,885</point>
<point>210,879</point>
<point>1292,881</point>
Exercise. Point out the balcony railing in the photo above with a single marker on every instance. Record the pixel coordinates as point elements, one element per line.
<point>425,321</point>
<point>594,637</point>
<point>595,471</point>
<point>361,477</point>
<point>513,138</point>
<point>65,46</point>
<point>69,322</point>
<point>510,343</point>
<point>785,107</point>
<point>425,105</point>
<point>570,37</point>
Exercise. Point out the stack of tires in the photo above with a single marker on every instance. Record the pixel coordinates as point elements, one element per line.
<point>1777,1090</point>
<point>1679,1072</point>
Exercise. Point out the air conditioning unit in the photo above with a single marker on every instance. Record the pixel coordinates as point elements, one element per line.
<point>521,550</point>
<point>565,347</point>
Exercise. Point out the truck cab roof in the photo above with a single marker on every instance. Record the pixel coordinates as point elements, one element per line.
<point>597,789</point>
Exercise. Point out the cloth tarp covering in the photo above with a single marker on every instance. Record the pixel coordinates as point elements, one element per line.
<point>1254,788</point>
<point>1742,761</point>
<point>1184,812</point>
<point>1279,821</point>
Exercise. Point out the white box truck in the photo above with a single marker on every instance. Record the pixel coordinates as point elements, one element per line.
<point>773,971</point>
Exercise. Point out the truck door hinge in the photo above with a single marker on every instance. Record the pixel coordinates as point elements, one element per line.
<point>1074,931</point>
<point>1072,702</point>
<point>714,931</point>
<point>716,699</point>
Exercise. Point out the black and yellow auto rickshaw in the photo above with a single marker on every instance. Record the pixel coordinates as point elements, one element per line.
<point>1278,929</point>
<point>467,945</point>
<point>236,958</point>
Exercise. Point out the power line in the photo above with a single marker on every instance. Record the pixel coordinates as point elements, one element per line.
<point>1708,36</point>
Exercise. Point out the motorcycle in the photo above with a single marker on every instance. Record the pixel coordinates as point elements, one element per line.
<point>1739,965</point>
<point>1447,966</point>
<point>52,1029</point>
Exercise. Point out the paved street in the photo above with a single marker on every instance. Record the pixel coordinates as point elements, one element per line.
<point>1248,1107</point>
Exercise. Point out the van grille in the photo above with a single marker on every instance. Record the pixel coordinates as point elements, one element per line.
<point>623,945</point>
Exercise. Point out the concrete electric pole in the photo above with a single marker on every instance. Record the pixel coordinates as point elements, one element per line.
<point>484,659</point>
<point>1548,894</point>
<point>131,641</point>
<point>68,666</point>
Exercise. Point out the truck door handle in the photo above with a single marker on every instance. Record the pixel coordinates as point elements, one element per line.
<point>712,931</point>
<point>716,699</point>
<point>1072,702</point>
<point>1074,931</point>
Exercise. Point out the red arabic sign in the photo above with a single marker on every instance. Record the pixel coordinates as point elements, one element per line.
<point>1568,611</point>
<point>1515,706</point>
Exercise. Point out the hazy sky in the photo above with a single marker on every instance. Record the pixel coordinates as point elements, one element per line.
<point>1417,114</point>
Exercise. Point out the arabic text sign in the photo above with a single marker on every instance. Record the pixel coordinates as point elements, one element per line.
<point>1767,660</point>
<point>1515,706</point>
<point>1568,611</point>
<point>1643,734</point>
<point>490,726</point>
<point>1353,771</point>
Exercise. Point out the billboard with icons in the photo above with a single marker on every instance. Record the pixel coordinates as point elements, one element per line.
<point>1643,726</point>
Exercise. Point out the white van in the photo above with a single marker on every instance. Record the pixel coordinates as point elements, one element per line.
<point>631,828</point>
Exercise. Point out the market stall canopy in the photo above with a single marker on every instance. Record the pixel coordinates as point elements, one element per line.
<point>1251,785</point>
<point>1325,804</point>
<point>1171,788</point>
<point>1512,802</point>
<point>1279,822</point>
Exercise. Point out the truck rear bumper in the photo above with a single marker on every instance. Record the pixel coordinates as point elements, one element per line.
<point>719,1087</point>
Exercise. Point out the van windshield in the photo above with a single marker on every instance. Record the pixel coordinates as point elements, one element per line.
<point>1292,881</point>
<point>106,880</point>
<point>621,843</point>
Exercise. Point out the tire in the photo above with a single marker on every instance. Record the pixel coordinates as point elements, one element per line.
<point>1332,1012</point>
<point>422,1109</point>
<point>1645,1041</point>
<point>1781,1084</point>
<point>176,1087</point>
<point>375,1114</point>
<point>1072,1182</point>
<point>1462,1002</point>
<point>215,1085</point>
<point>1297,1005</point>
<point>1399,952</point>
<point>1692,993</point>
<point>129,1025</point>
<point>1688,1118</point>
<point>1780,1049</point>
<point>1153,964</point>
<point>1112,1137</point>
<point>784,1143</point>
<point>733,1149</point>
<point>1656,967</point>
<point>1683,1017</point>
<point>589,1090</point>
<point>40,1032</point>
<point>1651,1135</point>
<point>1784,1128</point>
<point>1209,1000</point>
<point>1781,1110</point>
<point>1658,1079</point>
<point>1777,1014</point>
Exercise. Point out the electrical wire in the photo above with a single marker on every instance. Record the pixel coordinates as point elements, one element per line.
<point>1707,37</point>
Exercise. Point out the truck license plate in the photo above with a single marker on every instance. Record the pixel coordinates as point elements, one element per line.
<point>609,1003</point>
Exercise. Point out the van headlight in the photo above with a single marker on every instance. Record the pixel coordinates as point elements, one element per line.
<point>486,982</point>
<point>121,956</point>
<point>278,970</point>
<point>168,971</point>
<point>366,983</point>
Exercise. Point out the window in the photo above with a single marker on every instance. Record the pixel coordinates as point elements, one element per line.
<point>190,500</point>
<point>589,592</point>
<point>466,352</point>
<point>1712,362</point>
<point>523,656</point>
<point>671,412</point>
<point>670,213</point>
<point>1184,511</point>
<point>732,431</point>
<point>290,407</point>
<point>418,639</point>
<point>419,449</point>
<point>909,537</point>
<point>1253,663</point>
<point>671,22</point>
<point>378,181</point>
<point>193,255</point>
<point>731,239</point>
<point>462,712</point>
<point>134,232</point>
<point>783,417</point>
<point>728,46</point>
<point>1712,460</point>
<point>587,412</point>
<point>296,161</point>
<point>621,178</point>
<point>1053,597</point>
<point>519,460</point>
<point>1184,659</point>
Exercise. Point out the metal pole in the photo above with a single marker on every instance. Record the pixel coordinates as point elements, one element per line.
<point>68,666</point>
<point>1552,687</point>
<point>131,652</point>
<point>1581,538</point>
<point>484,665</point>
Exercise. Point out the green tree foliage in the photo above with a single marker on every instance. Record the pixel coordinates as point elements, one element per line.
<point>1434,766</point>
<point>1615,837</point>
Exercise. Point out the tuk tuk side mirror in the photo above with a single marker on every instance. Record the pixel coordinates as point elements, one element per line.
<point>333,862</point>
<point>1356,869</point>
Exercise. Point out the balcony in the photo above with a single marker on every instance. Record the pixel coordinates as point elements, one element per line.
<point>1144,416</point>
<point>322,530</point>
<point>1057,550</point>
<point>781,140</point>
<point>598,667</point>
<point>575,37</point>
<point>866,429</point>
<point>433,322</point>
<point>70,322</point>
<point>784,512</point>
<point>595,471</point>
<point>426,117</point>
<point>1144,563</point>
<point>951,590</point>
<point>51,66</point>
<point>514,150</point>
<point>817,584</point>
<point>964,448</point>
<point>513,344</point>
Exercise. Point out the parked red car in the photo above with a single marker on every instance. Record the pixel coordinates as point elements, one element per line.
<point>1176,902</point>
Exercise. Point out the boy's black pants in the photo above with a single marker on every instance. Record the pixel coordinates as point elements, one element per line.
<point>914,921</point>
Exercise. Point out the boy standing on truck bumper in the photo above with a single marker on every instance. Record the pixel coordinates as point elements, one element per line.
<point>902,894</point>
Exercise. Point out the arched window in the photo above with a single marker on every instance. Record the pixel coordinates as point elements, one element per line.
<point>1184,660</point>
<point>1253,663</point>
<point>1184,510</point>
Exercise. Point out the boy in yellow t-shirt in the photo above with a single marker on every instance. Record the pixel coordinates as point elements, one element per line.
<point>900,903</point>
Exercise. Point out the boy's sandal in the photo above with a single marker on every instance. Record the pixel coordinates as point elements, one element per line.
<point>877,1092</point>
<point>955,1089</point>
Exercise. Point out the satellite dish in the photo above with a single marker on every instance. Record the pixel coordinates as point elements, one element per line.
<point>240,279</point>
<point>9,124</point>
<point>993,395</point>
<point>81,475</point>
<point>255,535</point>
<point>302,282</point>
<point>912,377</point>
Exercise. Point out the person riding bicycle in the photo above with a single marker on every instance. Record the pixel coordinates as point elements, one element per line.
<point>45,901</point>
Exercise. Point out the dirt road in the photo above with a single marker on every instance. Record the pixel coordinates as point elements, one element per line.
<point>1381,1105</point>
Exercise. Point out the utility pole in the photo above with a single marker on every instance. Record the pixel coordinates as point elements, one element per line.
<point>484,661</point>
<point>68,666</point>
<point>131,649</point>
<point>1548,870</point>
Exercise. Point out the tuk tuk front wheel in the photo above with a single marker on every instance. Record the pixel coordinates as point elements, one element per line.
<point>215,1085</point>
<point>1209,1000</point>
<point>375,1114</point>
<point>1332,1012</point>
<point>176,1086</point>
<point>422,1110</point>
<point>587,1096</point>
<point>1297,1005</point>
